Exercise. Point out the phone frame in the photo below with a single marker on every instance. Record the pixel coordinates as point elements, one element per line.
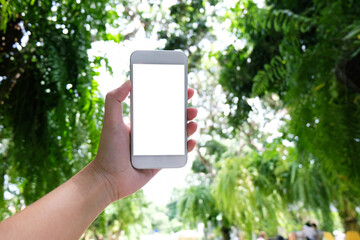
<point>159,57</point>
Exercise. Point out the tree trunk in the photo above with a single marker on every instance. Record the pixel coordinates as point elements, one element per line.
<point>225,232</point>
<point>95,235</point>
<point>348,217</point>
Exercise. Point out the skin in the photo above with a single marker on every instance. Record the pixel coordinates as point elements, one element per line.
<point>67,211</point>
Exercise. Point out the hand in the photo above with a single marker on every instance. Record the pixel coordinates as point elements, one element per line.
<point>112,162</point>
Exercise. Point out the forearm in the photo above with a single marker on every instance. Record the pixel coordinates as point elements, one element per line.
<point>64,213</point>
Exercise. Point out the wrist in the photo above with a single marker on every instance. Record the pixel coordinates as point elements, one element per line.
<point>92,187</point>
<point>103,178</point>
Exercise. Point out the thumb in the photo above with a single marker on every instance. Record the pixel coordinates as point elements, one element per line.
<point>113,102</point>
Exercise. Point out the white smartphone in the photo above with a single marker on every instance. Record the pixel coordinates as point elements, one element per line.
<point>158,109</point>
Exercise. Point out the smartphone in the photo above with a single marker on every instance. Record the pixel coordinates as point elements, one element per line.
<point>158,109</point>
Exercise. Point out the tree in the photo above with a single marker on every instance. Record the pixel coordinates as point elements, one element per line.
<point>294,56</point>
<point>293,52</point>
<point>50,108</point>
<point>310,65</point>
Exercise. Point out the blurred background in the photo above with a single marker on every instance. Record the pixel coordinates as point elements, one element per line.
<point>278,94</point>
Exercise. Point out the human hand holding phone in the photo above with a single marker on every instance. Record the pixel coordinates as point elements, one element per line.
<point>67,211</point>
<point>112,162</point>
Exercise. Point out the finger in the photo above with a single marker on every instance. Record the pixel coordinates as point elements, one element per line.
<point>113,102</point>
<point>191,113</point>
<point>191,128</point>
<point>190,93</point>
<point>119,94</point>
<point>190,145</point>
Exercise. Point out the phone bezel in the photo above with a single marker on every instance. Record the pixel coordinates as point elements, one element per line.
<point>159,57</point>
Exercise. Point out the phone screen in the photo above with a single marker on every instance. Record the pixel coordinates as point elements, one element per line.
<point>158,109</point>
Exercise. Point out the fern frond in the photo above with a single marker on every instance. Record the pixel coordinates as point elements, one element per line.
<point>273,72</point>
<point>286,21</point>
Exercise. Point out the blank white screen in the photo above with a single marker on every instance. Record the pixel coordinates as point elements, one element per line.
<point>158,109</point>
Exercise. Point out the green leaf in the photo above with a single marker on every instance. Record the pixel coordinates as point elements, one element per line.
<point>352,33</point>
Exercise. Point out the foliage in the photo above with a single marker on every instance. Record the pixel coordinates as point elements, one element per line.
<point>186,27</point>
<point>311,59</point>
<point>197,205</point>
<point>299,53</point>
<point>313,93</point>
<point>239,196</point>
<point>50,107</point>
<point>158,220</point>
<point>119,217</point>
<point>298,58</point>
